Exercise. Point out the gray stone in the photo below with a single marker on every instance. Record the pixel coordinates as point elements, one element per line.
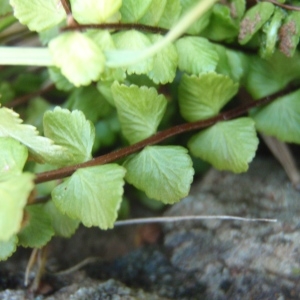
<point>234,259</point>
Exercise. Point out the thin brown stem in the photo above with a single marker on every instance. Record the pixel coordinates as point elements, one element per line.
<point>155,139</point>
<point>285,6</point>
<point>66,6</point>
<point>118,27</point>
<point>27,97</point>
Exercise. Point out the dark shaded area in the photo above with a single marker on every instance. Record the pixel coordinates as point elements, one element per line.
<point>150,268</point>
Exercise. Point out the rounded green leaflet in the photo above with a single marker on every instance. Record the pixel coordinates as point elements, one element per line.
<point>164,173</point>
<point>281,118</point>
<point>164,63</point>
<point>38,230</point>
<point>38,15</point>
<point>203,96</point>
<point>92,195</point>
<point>266,77</point>
<point>72,131</point>
<point>79,58</point>
<point>95,11</point>
<point>12,203</point>
<point>201,57</point>
<point>227,145</point>
<point>140,110</point>
<point>133,40</point>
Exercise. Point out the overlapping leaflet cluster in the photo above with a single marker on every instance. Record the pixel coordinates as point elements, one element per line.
<point>110,92</point>
<point>91,196</point>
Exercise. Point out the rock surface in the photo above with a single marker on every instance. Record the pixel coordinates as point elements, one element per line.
<point>209,259</point>
<point>241,260</point>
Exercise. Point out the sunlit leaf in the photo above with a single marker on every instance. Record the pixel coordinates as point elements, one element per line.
<point>79,57</point>
<point>14,192</point>
<point>92,195</point>
<point>40,148</point>
<point>94,11</point>
<point>13,156</point>
<point>140,110</point>
<point>164,173</point>
<point>38,15</point>
<point>227,145</point>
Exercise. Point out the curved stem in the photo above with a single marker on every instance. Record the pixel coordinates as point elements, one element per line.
<point>288,7</point>
<point>155,139</point>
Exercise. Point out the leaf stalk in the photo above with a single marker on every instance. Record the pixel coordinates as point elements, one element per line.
<point>155,139</point>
